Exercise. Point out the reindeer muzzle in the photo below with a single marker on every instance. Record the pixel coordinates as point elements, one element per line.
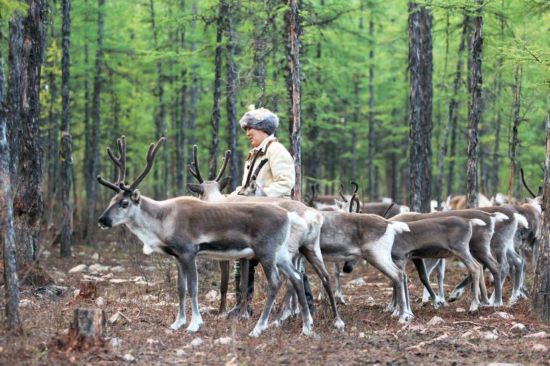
<point>105,223</point>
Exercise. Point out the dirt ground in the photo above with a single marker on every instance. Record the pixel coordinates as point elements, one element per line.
<point>143,290</point>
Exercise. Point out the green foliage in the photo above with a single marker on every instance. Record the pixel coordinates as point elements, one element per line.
<point>328,99</point>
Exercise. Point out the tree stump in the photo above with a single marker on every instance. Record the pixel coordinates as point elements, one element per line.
<point>87,329</point>
<point>88,290</point>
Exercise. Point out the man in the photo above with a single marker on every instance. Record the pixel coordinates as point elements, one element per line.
<point>275,179</point>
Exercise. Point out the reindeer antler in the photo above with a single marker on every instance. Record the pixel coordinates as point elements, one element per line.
<point>341,192</point>
<point>525,183</point>
<point>224,165</point>
<point>120,162</point>
<point>194,166</point>
<point>153,148</point>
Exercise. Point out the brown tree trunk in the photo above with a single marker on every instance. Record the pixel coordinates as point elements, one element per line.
<point>541,286</point>
<point>13,107</point>
<point>180,130</point>
<point>96,107</point>
<point>231,91</point>
<point>476,83</point>
<point>370,154</point>
<point>495,180</point>
<point>294,31</point>
<point>7,230</point>
<point>65,153</point>
<point>193,94</point>
<point>28,201</point>
<point>420,114</point>
<point>216,114</point>
<point>87,329</point>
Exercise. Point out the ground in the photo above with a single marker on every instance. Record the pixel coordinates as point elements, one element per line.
<point>143,290</point>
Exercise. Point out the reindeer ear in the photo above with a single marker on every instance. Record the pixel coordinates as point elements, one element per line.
<point>196,188</point>
<point>224,182</point>
<point>135,196</point>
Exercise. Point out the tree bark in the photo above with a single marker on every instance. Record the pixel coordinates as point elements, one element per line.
<point>7,230</point>
<point>28,200</point>
<point>541,286</point>
<point>14,90</point>
<point>514,140</point>
<point>420,115</point>
<point>231,91</point>
<point>495,180</point>
<point>216,114</point>
<point>476,83</point>
<point>65,153</point>
<point>193,95</point>
<point>370,154</point>
<point>87,329</point>
<point>160,116</point>
<point>180,130</point>
<point>294,32</point>
<point>96,107</point>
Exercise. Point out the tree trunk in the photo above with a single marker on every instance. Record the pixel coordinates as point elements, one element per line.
<point>87,166</point>
<point>7,230</point>
<point>495,180</point>
<point>452,118</point>
<point>14,90</point>
<point>259,45</point>
<point>231,91</point>
<point>294,31</point>
<point>193,94</point>
<point>50,159</point>
<point>65,153</point>
<point>28,201</point>
<point>476,83</point>
<point>87,329</point>
<point>180,130</point>
<point>541,286</point>
<point>96,107</point>
<point>420,115</point>
<point>370,154</point>
<point>514,141</point>
<point>216,114</point>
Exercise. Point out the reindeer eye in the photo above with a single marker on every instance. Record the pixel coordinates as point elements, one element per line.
<point>124,204</point>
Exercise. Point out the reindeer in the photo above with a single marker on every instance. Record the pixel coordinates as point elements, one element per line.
<point>479,244</point>
<point>302,240</point>
<point>185,227</point>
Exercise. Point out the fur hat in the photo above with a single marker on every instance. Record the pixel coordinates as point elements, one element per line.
<point>260,119</point>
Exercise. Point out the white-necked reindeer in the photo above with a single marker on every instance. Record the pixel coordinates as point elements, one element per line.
<point>185,227</point>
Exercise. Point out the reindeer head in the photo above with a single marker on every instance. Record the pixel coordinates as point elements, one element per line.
<point>208,190</point>
<point>125,205</point>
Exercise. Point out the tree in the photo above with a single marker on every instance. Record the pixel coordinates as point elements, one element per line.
<point>293,56</point>
<point>96,111</point>
<point>541,293</point>
<point>476,83</point>
<point>420,96</point>
<point>7,230</point>
<point>65,153</point>
<point>28,201</point>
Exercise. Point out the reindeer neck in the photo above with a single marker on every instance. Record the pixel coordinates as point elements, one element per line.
<point>147,220</point>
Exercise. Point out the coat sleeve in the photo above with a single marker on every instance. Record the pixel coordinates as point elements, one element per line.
<point>281,165</point>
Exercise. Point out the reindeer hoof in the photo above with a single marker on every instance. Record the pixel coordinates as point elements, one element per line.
<point>406,318</point>
<point>455,295</point>
<point>307,330</point>
<point>439,302</point>
<point>194,327</point>
<point>339,324</point>
<point>255,332</point>
<point>180,322</point>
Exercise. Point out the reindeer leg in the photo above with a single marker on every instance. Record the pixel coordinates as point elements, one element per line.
<point>182,287</point>
<point>441,279</point>
<point>421,269</point>
<point>459,289</point>
<point>245,269</point>
<point>224,285</point>
<point>274,283</point>
<point>430,264</point>
<point>517,265</point>
<point>338,292</point>
<point>316,261</point>
<point>188,263</point>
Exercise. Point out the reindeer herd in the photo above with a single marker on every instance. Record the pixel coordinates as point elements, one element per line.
<point>280,233</point>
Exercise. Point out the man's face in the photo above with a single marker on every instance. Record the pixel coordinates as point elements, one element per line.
<point>255,136</point>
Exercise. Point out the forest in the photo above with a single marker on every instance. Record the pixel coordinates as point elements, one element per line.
<point>413,100</point>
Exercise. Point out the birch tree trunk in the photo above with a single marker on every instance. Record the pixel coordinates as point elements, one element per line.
<point>420,114</point>
<point>65,153</point>
<point>476,83</point>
